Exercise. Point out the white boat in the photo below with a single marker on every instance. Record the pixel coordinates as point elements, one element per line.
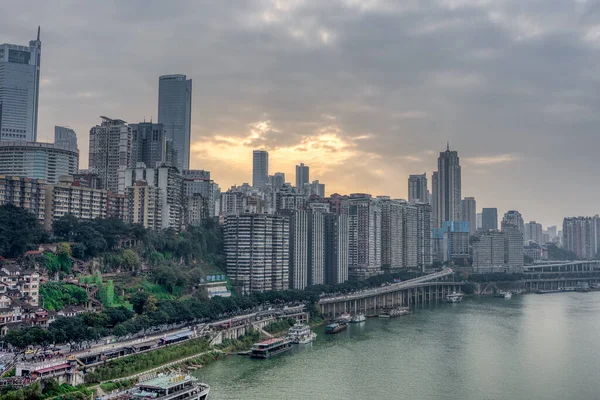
<point>507,295</point>
<point>454,297</point>
<point>394,312</point>
<point>359,318</point>
<point>345,318</point>
<point>301,334</point>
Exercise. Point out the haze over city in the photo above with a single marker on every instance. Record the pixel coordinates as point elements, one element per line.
<point>365,93</point>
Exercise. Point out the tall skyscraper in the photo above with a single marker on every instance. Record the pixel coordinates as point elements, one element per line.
<point>19,90</point>
<point>479,221</point>
<point>149,144</point>
<point>468,213</point>
<point>318,189</point>
<point>65,137</point>
<point>110,153</point>
<point>336,232</point>
<point>364,221</point>
<point>424,224</point>
<point>447,187</point>
<point>417,189</point>
<point>513,255</point>
<point>257,251</point>
<point>392,235</point>
<point>260,168</point>
<point>513,217</point>
<point>435,189</point>
<point>579,236</point>
<point>302,177</point>
<point>489,219</point>
<point>175,113</point>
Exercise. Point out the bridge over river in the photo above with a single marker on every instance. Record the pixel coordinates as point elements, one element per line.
<point>424,289</point>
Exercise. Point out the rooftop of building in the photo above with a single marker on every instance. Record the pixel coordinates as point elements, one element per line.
<point>167,381</point>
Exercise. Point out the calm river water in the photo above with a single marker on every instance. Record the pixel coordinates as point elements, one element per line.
<point>528,347</point>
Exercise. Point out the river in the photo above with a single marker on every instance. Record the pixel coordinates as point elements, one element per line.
<point>528,347</point>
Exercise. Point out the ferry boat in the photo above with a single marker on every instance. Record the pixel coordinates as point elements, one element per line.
<point>454,297</point>
<point>583,287</point>
<point>335,328</point>
<point>270,347</point>
<point>165,387</point>
<point>394,312</point>
<point>345,318</point>
<point>301,334</point>
<point>359,318</point>
<point>507,295</point>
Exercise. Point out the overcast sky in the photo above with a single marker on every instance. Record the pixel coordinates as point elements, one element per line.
<point>364,92</point>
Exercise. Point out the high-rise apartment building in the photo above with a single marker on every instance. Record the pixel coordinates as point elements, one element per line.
<point>533,232</point>
<point>65,198</point>
<point>514,217</point>
<point>316,248</point>
<point>447,187</point>
<point>298,249</point>
<point>513,255</point>
<point>580,236</point>
<point>317,188</point>
<point>410,226</point>
<point>417,189</point>
<point>36,160</point>
<point>19,90</point>
<point>169,181</point>
<point>489,252</point>
<point>278,180</point>
<point>336,232</point>
<point>110,153</point>
<point>392,233</point>
<point>434,200</point>
<point>197,182</point>
<point>451,241</point>
<point>26,193</point>
<point>489,219</point>
<point>65,137</point>
<point>149,144</point>
<point>364,221</point>
<point>260,168</point>
<point>144,205</point>
<point>175,113</point>
<point>424,225</point>
<point>302,177</point>
<point>468,213</point>
<point>257,251</point>
<point>479,221</point>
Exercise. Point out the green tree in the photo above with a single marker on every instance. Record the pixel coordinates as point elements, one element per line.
<point>131,260</point>
<point>20,231</point>
<point>65,227</point>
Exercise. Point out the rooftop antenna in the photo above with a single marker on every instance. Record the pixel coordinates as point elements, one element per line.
<point>448,146</point>
<point>38,33</point>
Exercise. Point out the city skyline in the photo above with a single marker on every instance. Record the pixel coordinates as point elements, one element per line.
<point>356,144</point>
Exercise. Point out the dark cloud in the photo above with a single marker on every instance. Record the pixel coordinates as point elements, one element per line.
<point>512,85</point>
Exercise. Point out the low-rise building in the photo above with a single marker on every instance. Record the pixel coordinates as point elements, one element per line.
<point>26,193</point>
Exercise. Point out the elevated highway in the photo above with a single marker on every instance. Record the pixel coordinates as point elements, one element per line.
<point>432,287</point>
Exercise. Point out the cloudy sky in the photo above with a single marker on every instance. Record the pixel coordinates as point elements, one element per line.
<point>365,92</point>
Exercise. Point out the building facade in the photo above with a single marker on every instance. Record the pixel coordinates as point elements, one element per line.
<point>45,161</point>
<point>364,250</point>
<point>26,193</point>
<point>169,181</point>
<point>149,144</point>
<point>302,177</point>
<point>316,248</point>
<point>489,219</point>
<point>175,113</point>
<point>65,137</point>
<point>144,205</point>
<point>110,153</point>
<point>19,90</point>
<point>337,233</point>
<point>489,252</point>
<point>260,168</point>
<point>580,236</point>
<point>392,233</point>
<point>513,217</point>
<point>257,251</point>
<point>447,187</point>
<point>513,247</point>
<point>417,189</point>
<point>424,226</point>
<point>468,213</point>
<point>533,232</point>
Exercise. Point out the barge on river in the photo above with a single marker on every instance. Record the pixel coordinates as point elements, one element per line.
<point>165,387</point>
<point>270,347</point>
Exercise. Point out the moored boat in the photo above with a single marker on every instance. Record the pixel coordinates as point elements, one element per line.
<point>301,334</point>
<point>454,297</point>
<point>394,312</point>
<point>345,318</point>
<point>335,328</point>
<point>165,387</point>
<point>270,347</point>
<point>359,318</point>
